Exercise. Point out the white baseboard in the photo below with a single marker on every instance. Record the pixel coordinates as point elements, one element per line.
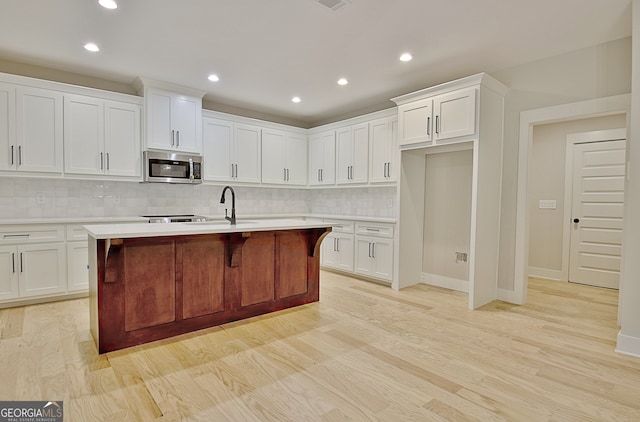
<point>545,273</point>
<point>446,282</point>
<point>628,345</point>
<point>509,296</point>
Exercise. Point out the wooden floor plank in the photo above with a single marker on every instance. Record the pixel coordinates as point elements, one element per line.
<point>364,352</point>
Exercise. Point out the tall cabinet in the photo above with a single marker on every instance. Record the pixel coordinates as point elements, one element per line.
<point>466,114</point>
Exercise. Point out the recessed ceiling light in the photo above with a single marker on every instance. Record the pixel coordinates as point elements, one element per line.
<point>342,81</point>
<point>213,78</point>
<point>296,99</point>
<point>108,4</point>
<point>91,47</point>
<point>406,57</point>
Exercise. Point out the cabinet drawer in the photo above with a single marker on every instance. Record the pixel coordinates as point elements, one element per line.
<point>375,229</point>
<point>31,234</point>
<point>340,226</point>
<point>76,232</point>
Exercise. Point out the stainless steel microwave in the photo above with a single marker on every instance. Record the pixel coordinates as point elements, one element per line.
<point>169,167</point>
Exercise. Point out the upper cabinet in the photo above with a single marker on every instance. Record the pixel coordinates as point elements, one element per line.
<point>231,151</point>
<point>352,154</point>
<point>437,119</point>
<point>383,150</point>
<point>101,137</point>
<point>284,157</point>
<point>30,129</point>
<point>322,158</point>
<point>173,116</point>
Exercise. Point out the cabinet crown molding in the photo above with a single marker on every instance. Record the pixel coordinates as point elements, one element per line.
<point>143,82</point>
<point>483,79</point>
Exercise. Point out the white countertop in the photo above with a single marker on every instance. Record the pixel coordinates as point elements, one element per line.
<point>113,231</point>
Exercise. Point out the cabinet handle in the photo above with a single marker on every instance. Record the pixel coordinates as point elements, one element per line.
<point>21,263</point>
<point>373,250</point>
<point>428,126</point>
<point>177,138</point>
<point>369,249</point>
<point>13,263</point>
<point>322,175</point>
<point>16,236</point>
<point>319,179</point>
<point>19,155</point>
<point>389,169</point>
<point>284,174</point>
<point>173,137</point>
<point>371,229</point>
<point>232,171</point>
<point>236,170</point>
<point>108,161</point>
<point>101,161</point>
<point>12,161</point>
<point>437,125</point>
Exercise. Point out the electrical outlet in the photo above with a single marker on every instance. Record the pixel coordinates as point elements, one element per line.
<point>461,257</point>
<point>40,198</point>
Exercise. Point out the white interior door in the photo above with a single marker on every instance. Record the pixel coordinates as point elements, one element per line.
<point>597,209</point>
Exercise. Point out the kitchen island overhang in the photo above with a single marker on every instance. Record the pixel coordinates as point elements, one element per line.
<point>154,281</point>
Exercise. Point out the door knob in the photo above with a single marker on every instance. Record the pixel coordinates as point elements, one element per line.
<point>576,220</point>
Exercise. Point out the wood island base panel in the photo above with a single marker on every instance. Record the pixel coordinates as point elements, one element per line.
<point>151,288</point>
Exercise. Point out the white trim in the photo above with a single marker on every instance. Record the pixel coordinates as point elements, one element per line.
<point>628,345</point>
<point>589,108</point>
<point>446,282</point>
<point>546,274</point>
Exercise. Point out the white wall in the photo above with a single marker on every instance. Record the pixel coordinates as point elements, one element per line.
<point>547,161</point>
<point>600,71</point>
<point>447,213</point>
<point>629,336</point>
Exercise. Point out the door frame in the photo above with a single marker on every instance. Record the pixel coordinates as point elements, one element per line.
<point>528,119</point>
<point>572,140</point>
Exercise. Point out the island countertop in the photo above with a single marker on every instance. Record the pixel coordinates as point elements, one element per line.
<point>124,231</point>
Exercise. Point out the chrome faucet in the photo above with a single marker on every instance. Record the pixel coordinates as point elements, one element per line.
<point>231,219</point>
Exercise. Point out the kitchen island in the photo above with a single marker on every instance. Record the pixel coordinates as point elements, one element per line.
<point>153,281</point>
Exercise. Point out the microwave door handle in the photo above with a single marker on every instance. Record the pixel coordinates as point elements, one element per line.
<point>190,170</point>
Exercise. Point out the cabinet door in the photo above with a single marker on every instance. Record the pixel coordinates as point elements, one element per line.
<point>322,159</point>
<point>8,273</point>
<point>382,253</point>
<point>122,139</point>
<point>39,130</point>
<point>296,159</point>
<point>363,260</point>
<point>381,151</point>
<point>158,119</point>
<point>329,253</point>
<point>360,163</point>
<point>273,159</point>
<point>83,135</point>
<point>344,248</point>
<point>416,122</point>
<point>8,147</point>
<point>217,137</point>
<point>246,153</point>
<point>149,283</point>
<point>186,121</point>
<point>77,267</point>
<point>42,269</point>
<point>344,153</point>
<point>291,255</point>
<point>202,277</point>
<point>455,114</point>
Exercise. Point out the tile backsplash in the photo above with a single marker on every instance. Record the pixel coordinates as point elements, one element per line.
<point>67,198</point>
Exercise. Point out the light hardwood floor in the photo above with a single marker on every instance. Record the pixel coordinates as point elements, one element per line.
<point>364,352</point>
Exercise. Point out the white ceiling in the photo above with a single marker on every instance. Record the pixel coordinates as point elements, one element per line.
<point>267,51</point>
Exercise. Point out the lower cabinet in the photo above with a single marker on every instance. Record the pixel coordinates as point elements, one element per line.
<point>374,257</point>
<point>361,248</point>
<point>77,266</point>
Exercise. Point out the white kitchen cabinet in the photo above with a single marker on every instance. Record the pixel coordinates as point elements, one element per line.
<point>438,119</point>
<point>77,266</point>
<point>322,158</point>
<point>374,257</point>
<point>173,121</point>
<point>37,144</point>
<point>383,152</point>
<point>101,137</point>
<point>231,151</point>
<point>352,154</point>
<point>9,288</point>
<point>7,126</point>
<point>337,251</point>
<point>284,157</point>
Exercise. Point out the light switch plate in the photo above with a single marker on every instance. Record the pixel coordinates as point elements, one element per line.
<point>547,204</point>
